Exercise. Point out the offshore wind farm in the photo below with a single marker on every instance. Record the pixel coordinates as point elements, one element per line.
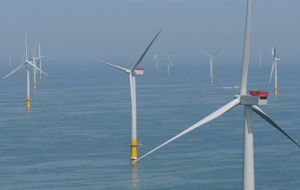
<point>115,92</point>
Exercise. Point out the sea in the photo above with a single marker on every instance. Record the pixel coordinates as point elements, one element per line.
<point>77,133</point>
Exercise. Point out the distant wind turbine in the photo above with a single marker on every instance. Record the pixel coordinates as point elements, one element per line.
<point>28,63</point>
<point>211,64</point>
<point>132,72</point>
<point>156,61</point>
<point>34,61</point>
<point>274,70</point>
<point>40,61</point>
<point>250,103</point>
<point>169,64</point>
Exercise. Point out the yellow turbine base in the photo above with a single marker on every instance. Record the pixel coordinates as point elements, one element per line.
<point>28,103</point>
<point>275,91</point>
<point>134,150</point>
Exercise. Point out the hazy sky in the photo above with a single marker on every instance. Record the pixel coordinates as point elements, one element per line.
<point>119,30</point>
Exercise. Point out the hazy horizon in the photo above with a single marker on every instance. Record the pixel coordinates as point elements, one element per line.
<point>120,30</point>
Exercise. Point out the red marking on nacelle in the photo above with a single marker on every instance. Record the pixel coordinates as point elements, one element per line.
<point>259,93</point>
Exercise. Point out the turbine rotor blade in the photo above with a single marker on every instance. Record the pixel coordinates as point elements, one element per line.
<point>272,71</point>
<point>203,121</point>
<point>216,52</point>
<point>112,65</point>
<point>26,45</point>
<point>204,53</point>
<point>170,60</point>
<point>34,66</point>
<point>246,51</point>
<point>13,71</point>
<point>275,52</point>
<point>146,50</point>
<point>154,58</point>
<point>263,115</point>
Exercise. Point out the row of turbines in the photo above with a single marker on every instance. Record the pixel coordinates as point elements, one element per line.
<point>250,100</point>
<point>169,63</point>
<point>32,64</point>
<point>275,58</point>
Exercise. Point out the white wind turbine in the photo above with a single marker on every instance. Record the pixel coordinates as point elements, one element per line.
<point>34,70</point>
<point>28,63</point>
<point>274,70</point>
<point>169,64</point>
<point>132,72</point>
<point>156,61</point>
<point>250,104</point>
<point>211,64</point>
<point>39,63</point>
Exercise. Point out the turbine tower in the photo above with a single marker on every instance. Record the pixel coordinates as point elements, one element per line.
<point>39,63</point>
<point>132,72</point>
<point>34,70</point>
<point>211,63</point>
<point>274,70</point>
<point>250,103</point>
<point>28,63</point>
<point>169,64</point>
<point>156,61</point>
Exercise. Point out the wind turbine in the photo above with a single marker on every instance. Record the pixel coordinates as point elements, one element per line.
<point>155,60</point>
<point>34,70</point>
<point>28,63</point>
<point>39,63</point>
<point>211,63</point>
<point>260,60</point>
<point>132,72</point>
<point>274,70</point>
<point>250,103</point>
<point>169,64</point>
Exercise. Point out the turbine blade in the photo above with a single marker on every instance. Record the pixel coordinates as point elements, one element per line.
<point>34,66</point>
<point>170,60</point>
<point>25,45</point>
<point>273,53</point>
<point>204,53</point>
<point>272,71</point>
<point>34,53</point>
<point>263,115</point>
<point>216,52</point>
<point>203,121</point>
<point>146,50</point>
<point>246,51</point>
<point>112,65</point>
<point>39,50</point>
<point>154,58</point>
<point>13,71</point>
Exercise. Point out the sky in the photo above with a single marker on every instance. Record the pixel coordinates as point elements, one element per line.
<point>119,30</point>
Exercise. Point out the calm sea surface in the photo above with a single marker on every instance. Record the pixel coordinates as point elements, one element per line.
<point>78,131</point>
